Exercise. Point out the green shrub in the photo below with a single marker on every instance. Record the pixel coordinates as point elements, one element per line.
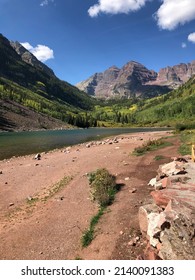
<point>158,157</point>
<point>103,186</point>
<point>150,145</point>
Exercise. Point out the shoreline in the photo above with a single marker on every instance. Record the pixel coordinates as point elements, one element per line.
<point>69,210</point>
<point>93,138</point>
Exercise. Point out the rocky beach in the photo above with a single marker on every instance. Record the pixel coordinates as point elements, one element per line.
<point>45,203</point>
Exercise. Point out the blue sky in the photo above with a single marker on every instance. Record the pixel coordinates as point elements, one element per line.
<point>77,38</point>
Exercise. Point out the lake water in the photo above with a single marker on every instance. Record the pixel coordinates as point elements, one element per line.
<point>24,143</point>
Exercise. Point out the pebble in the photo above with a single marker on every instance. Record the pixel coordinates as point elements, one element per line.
<point>127,178</point>
<point>134,190</point>
<point>37,157</point>
<point>11,204</point>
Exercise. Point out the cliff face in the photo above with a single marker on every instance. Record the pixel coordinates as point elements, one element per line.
<point>134,79</point>
<point>29,58</point>
<point>176,75</point>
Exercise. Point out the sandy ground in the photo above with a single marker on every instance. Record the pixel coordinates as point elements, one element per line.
<point>38,222</point>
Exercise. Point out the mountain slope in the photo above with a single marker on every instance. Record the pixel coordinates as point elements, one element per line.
<point>135,80</point>
<point>29,83</point>
<point>13,66</point>
<point>177,106</point>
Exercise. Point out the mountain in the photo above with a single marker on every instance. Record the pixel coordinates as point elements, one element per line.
<point>29,58</point>
<point>176,75</point>
<point>176,107</point>
<point>27,82</point>
<point>135,80</point>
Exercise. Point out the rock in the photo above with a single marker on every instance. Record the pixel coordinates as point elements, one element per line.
<point>11,204</point>
<point>152,182</point>
<point>171,227</point>
<point>144,211</point>
<point>37,157</point>
<point>1,172</point>
<point>121,232</point>
<point>134,190</point>
<point>166,182</point>
<point>181,159</point>
<point>158,186</point>
<point>88,145</point>
<point>172,168</point>
<point>154,230</point>
<point>160,198</point>
<point>150,253</point>
<point>127,179</point>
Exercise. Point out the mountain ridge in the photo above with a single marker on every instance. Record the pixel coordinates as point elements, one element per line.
<point>27,82</point>
<point>134,80</point>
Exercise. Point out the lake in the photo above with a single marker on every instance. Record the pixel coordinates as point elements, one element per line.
<point>24,143</point>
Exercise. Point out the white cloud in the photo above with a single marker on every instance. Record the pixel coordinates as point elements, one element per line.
<point>183,45</point>
<point>46,2</point>
<point>41,52</point>
<point>174,12</point>
<point>116,6</point>
<point>27,46</point>
<point>191,37</point>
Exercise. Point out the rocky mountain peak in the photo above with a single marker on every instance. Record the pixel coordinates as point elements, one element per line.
<point>29,58</point>
<point>134,79</point>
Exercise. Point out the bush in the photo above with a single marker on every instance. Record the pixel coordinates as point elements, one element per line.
<point>103,187</point>
<point>184,126</point>
<point>150,145</point>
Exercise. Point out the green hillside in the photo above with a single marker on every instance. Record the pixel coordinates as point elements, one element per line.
<point>37,89</point>
<point>175,107</point>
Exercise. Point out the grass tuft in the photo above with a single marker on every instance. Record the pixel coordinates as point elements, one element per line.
<point>150,145</point>
<point>88,234</point>
<point>158,157</point>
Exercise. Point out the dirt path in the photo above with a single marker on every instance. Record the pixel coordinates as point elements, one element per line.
<point>39,222</point>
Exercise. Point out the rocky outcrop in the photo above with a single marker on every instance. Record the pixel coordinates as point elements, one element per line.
<point>176,75</point>
<point>169,222</point>
<point>29,58</point>
<point>134,80</point>
<point>114,82</point>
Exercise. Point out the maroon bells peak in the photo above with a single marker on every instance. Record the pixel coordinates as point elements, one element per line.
<point>135,80</point>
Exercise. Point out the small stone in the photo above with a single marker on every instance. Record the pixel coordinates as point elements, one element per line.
<point>1,172</point>
<point>152,182</point>
<point>11,204</point>
<point>134,190</point>
<point>131,243</point>
<point>121,232</point>
<point>137,238</point>
<point>6,183</point>
<point>127,178</point>
<point>38,157</point>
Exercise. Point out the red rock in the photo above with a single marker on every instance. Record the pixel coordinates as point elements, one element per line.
<point>160,198</point>
<point>166,182</point>
<point>150,253</point>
